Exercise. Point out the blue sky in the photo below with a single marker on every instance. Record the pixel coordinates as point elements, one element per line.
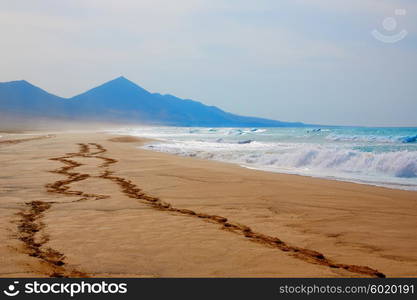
<point>314,61</point>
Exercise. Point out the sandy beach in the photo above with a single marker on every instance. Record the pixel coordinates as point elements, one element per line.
<point>94,205</point>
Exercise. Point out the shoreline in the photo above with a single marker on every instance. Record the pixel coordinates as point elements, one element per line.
<point>346,223</point>
<point>387,185</point>
<point>332,178</point>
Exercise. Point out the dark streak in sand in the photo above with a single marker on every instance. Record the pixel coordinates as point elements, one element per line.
<point>133,191</point>
<point>18,141</point>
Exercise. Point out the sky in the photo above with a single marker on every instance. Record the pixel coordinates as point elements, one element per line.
<point>314,61</point>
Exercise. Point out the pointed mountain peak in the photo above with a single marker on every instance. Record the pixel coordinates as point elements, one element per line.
<point>118,87</point>
<point>122,82</point>
<point>121,79</point>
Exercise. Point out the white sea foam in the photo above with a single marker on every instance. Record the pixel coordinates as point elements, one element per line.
<point>371,138</point>
<point>384,160</point>
<point>402,164</point>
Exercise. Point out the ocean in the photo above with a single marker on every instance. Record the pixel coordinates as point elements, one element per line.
<point>377,156</point>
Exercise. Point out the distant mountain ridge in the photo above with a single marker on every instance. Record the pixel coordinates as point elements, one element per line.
<point>121,100</point>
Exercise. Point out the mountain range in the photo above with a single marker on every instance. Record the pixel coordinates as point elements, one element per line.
<point>120,100</point>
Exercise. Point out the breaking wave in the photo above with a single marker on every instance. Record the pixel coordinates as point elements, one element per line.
<point>372,138</point>
<point>379,156</point>
<point>402,164</point>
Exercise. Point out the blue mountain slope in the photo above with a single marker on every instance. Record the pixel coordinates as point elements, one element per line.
<point>121,100</point>
<point>21,97</point>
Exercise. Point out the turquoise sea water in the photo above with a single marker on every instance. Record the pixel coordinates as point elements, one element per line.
<point>377,156</point>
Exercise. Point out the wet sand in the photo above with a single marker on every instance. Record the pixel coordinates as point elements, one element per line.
<point>93,205</point>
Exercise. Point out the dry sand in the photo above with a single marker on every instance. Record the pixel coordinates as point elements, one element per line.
<point>108,209</point>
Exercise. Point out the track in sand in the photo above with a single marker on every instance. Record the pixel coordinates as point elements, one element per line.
<point>133,191</point>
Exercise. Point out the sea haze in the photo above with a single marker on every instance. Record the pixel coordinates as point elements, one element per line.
<point>378,156</point>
